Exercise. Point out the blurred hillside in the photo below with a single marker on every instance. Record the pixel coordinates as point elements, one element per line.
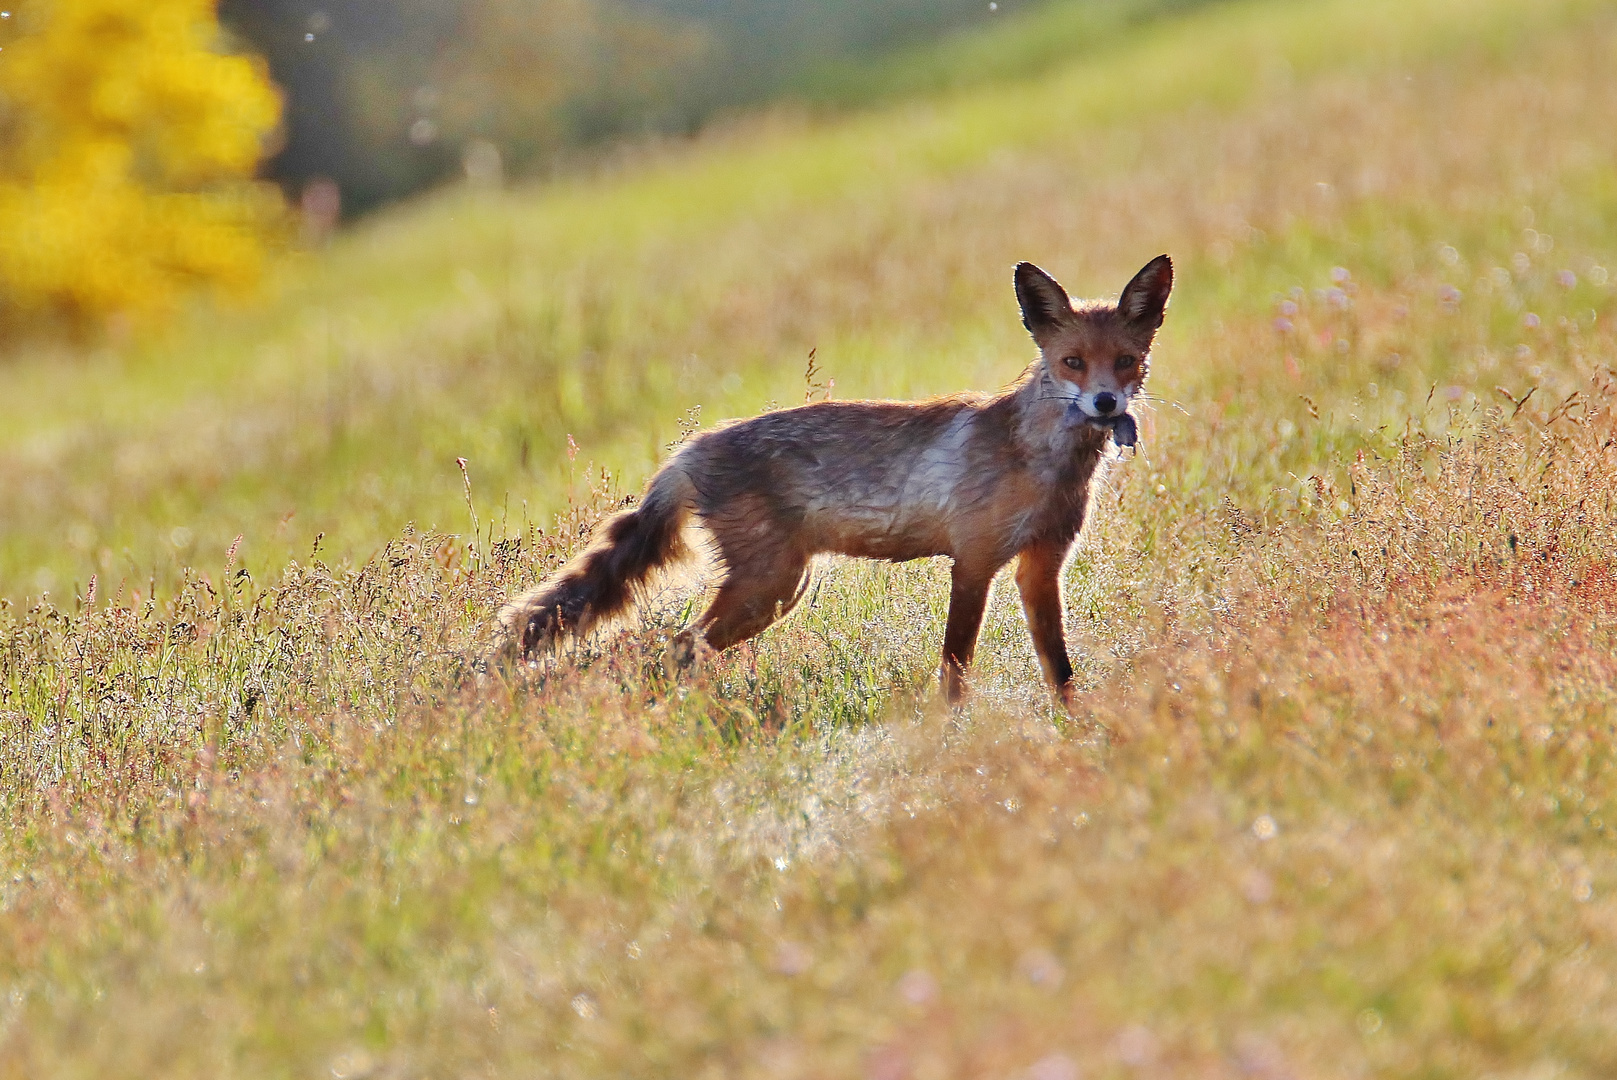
<point>141,140</point>
<point>389,97</point>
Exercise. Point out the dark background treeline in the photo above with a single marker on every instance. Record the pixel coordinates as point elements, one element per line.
<point>386,97</point>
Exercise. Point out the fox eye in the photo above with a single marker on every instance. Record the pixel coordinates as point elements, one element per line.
<point>1074,362</point>
<point>1124,363</point>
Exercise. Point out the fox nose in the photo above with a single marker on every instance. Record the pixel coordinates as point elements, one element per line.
<point>1105,403</point>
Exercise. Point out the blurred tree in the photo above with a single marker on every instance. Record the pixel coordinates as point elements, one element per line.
<point>329,58</point>
<point>531,76</point>
<point>761,47</point>
<point>128,139</point>
<point>385,97</point>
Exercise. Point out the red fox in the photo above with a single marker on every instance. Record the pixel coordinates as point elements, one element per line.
<point>982,479</point>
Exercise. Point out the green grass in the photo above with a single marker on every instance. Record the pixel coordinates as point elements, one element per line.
<point>1337,801</point>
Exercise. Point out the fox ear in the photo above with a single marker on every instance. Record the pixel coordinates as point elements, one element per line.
<point>1045,304</point>
<point>1145,299</point>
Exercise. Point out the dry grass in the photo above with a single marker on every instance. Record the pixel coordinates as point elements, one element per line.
<point>1340,800</point>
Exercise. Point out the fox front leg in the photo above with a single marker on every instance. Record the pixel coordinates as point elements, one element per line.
<point>1038,579</point>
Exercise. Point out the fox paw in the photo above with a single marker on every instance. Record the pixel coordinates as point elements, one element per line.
<point>1067,697</point>
<point>687,650</point>
<point>502,660</point>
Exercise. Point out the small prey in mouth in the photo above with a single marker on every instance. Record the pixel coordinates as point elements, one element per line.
<point>1124,431</point>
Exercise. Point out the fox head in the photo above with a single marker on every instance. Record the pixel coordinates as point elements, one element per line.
<point>1096,354</point>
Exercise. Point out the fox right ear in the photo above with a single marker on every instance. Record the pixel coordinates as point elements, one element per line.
<point>1145,299</point>
<point>1045,304</point>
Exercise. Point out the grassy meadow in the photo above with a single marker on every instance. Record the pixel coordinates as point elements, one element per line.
<point>1339,798</point>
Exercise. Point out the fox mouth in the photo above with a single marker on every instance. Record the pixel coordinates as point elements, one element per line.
<point>1122,426</point>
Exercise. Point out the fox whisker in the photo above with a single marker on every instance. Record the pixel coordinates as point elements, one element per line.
<point>1155,400</point>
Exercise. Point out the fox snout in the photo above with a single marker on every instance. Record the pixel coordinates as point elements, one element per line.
<point>1099,404</point>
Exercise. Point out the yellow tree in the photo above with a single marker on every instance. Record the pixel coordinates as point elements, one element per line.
<point>128,141</point>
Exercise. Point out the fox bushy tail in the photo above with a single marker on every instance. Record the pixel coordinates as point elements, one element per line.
<point>606,578</point>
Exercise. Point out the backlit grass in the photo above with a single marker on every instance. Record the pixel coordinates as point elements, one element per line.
<point>1339,798</point>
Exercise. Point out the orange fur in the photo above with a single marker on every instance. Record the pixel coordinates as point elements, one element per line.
<point>981,479</point>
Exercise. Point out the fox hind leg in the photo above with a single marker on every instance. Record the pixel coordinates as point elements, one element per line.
<point>754,594</point>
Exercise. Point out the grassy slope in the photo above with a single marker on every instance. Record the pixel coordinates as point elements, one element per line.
<point>1338,803</point>
<point>606,303</point>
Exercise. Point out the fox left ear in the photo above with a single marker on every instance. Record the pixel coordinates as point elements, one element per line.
<point>1045,304</point>
<point>1145,299</point>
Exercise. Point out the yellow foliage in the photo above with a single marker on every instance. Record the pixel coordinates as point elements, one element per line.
<point>128,141</point>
